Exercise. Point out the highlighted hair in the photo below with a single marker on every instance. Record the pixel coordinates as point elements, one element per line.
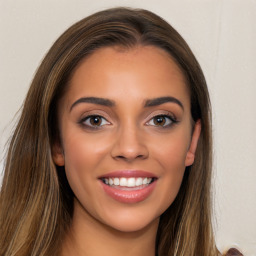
<point>36,201</point>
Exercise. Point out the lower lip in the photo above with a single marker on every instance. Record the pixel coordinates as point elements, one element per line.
<point>129,196</point>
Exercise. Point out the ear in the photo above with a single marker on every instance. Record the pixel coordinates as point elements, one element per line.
<point>58,154</point>
<point>193,144</point>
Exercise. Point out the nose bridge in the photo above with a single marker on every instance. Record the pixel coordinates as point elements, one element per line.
<point>129,142</point>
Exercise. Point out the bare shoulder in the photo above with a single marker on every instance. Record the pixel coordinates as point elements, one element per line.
<point>233,252</point>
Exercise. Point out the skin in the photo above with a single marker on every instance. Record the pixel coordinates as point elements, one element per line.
<point>128,138</point>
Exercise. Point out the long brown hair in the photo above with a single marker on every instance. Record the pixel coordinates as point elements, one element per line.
<point>36,201</point>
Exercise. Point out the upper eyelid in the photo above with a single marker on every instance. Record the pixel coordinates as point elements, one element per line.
<point>95,113</point>
<point>84,125</point>
<point>82,120</point>
<point>173,120</point>
<point>161,113</point>
<point>112,119</point>
<point>91,116</point>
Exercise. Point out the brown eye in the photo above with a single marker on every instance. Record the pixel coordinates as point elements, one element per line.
<point>159,120</point>
<point>162,121</point>
<point>95,120</point>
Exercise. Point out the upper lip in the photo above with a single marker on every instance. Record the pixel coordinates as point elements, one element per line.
<point>128,174</point>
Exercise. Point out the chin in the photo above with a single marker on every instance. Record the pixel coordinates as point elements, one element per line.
<point>131,220</point>
<point>133,225</point>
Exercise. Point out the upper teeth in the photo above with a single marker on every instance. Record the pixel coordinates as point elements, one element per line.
<point>127,182</point>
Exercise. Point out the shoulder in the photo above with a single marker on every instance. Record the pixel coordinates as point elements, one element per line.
<point>233,252</point>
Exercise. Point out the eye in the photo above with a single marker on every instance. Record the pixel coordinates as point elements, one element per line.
<point>94,121</point>
<point>161,121</point>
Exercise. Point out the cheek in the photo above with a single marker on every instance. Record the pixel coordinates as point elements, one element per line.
<point>83,155</point>
<point>171,151</point>
<point>81,149</point>
<point>171,157</point>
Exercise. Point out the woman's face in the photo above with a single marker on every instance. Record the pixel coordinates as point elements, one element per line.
<point>126,136</point>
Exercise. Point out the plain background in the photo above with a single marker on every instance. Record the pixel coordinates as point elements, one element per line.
<point>222,34</point>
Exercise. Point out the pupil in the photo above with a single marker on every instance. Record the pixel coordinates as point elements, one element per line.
<point>159,120</point>
<point>95,120</point>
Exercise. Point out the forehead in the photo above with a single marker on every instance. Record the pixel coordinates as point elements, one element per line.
<point>139,72</point>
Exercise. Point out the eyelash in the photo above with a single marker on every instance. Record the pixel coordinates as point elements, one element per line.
<point>169,119</point>
<point>89,119</point>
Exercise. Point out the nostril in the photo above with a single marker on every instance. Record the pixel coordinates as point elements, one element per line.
<point>121,157</point>
<point>128,158</point>
<point>129,148</point>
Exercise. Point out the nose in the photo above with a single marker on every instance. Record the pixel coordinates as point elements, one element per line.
<point>129,145</point>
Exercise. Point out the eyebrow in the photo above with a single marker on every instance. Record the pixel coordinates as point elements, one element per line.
<point>110,103</point>
<point>162,100</point>
<point>94,100</point>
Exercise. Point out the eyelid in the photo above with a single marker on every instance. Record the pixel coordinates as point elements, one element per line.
<point>93,113</point>
<point>162,113</point>
<point>85,123</point>
<point>165,114</point>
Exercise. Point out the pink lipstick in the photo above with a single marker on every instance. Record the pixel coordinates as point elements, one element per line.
<point>128,186</point>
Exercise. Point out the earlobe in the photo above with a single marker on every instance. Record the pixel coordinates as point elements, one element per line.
<point>193,144</point>
<point>58,155</point>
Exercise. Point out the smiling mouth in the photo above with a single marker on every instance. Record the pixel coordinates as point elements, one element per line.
<point>131,183</point>
<point>128,186</point>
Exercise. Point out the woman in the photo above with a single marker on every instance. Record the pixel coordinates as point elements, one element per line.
<point>112,152</point>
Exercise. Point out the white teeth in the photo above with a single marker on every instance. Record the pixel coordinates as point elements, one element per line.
<point>127,182</point>
<point>123,182</point>
<point>145,180</point>
<point>138,182</point>
<point>110,182</point>
<point>116,181</point>
<point>131,182</point>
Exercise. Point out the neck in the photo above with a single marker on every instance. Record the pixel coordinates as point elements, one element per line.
<point>89,237</point>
